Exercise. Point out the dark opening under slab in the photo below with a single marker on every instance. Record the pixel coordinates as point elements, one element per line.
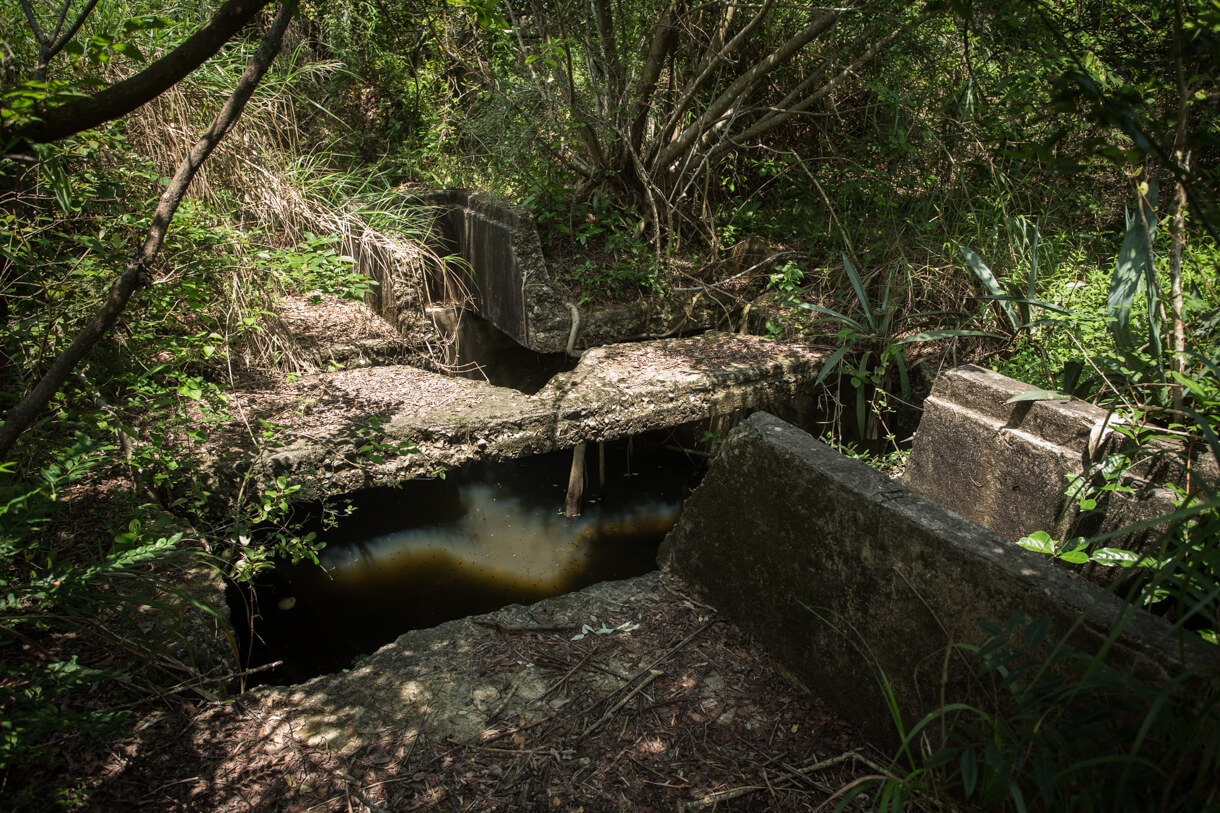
<point>429,551</point>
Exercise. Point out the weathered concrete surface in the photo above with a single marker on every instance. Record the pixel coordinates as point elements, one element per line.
<point>843,574</point>
<point>433,679</point>
<point>614,392</point>
<point>510,285</point>
<point>1005,466</point>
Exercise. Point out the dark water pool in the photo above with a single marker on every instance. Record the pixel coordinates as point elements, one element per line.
<point>486,536</point>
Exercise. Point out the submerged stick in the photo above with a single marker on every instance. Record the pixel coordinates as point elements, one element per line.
<point>601,465</point>
<point>576,482</point>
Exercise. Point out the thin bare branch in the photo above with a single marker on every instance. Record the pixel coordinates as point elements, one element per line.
<point>60,42</point>
<point>735,91</point>
<point>783,114</point>
<point>135,275</point>
<point>33,21</point>
<point>708,66</point>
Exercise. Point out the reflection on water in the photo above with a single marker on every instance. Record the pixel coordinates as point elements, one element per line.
<point>482,538</point>
<point>501,539</point>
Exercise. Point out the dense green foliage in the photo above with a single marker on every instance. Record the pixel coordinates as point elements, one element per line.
<point>903,183</point>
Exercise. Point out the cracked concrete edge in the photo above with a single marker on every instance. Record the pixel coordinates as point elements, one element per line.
<point>586,404</point>
<point>429,683</point>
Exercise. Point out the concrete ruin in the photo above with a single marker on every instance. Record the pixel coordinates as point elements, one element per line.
<point>846,577</point>
<point>840,572</point>
<point>504,277</point>
<point>1006,465</point>
<point>357,428</point>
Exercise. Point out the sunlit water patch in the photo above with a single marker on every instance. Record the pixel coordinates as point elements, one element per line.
<point>482,538</point>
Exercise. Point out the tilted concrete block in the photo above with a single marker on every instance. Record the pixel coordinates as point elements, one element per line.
<point>1006,465</point>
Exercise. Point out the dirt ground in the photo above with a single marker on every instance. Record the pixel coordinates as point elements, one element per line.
<point>663,705</point>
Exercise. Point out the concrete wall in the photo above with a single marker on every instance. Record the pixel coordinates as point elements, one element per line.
<point>840,572</point>
<point>500,250</point>
<point>1005,466</point>
<point>511,286</point>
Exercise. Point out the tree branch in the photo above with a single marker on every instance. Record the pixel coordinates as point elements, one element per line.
<point>33,21</point>
<point>664,36</point>
<point>123,97</point>
<point>135,275</point>
<point>60,42</point>
<point>782,113</point>
<point>784,52</point>
<point>707,66</point>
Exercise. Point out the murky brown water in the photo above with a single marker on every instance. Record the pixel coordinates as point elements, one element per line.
<point>482,538</point>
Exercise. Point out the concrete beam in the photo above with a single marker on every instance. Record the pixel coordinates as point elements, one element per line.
<point>615,391</point>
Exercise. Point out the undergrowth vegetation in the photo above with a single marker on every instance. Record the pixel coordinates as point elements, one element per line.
<point>104,504</point>
<point>905,185</point>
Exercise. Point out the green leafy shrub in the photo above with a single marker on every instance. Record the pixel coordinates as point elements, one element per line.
<point>871,350</point>
<point>45,589</point>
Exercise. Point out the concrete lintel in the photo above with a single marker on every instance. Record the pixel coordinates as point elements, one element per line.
<point>844,575</point>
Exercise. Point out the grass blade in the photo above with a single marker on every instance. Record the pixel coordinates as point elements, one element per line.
<point>944,333</point>
<point>833,362</point>
<point>1033,303</point>
<point>841,317</point>
<point>853,276</point>
<point>992,285</point>
<point>1134,268</point>
<point>1038,395</point>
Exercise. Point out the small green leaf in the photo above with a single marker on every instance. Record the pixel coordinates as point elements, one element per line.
<point>1038,542</point>
<point>970,771</point>
<point>1116,557</point>
<point>1036,632</point>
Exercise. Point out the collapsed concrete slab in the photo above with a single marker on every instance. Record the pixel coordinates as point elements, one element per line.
<point>432,678</point>
<point>847,576</point>
<point>357,428</point>
<point>1006,465</point>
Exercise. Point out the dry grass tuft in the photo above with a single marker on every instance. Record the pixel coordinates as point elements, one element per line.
<point>281,195</point>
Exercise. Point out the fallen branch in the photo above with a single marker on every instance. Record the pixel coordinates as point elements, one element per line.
<point>652,675</point>
<point>736,793</point>
<point>522,629</point>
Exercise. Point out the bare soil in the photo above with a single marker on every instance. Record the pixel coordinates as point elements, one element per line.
<point>679,710</point>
